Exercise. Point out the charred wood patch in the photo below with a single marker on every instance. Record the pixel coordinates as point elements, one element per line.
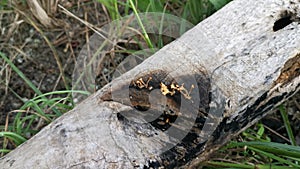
<point>164,102</point>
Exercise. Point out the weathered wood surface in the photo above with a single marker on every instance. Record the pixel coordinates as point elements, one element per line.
<point>235,55</point>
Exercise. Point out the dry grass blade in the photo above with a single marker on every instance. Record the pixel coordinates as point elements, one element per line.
<point>87,24</point>
<point>90,26</point>
<point>44,11</point>
<point>40,13</point>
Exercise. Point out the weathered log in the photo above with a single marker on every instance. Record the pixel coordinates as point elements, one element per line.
<point>219,78</point>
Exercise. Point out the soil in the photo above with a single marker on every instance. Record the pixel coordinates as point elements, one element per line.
<point>29,51</point>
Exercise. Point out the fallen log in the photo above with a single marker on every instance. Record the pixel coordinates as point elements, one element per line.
<point>185,101</point>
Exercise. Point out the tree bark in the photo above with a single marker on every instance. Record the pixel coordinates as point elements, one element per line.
<point>216,80</point>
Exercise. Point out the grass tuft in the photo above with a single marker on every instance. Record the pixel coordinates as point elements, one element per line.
<point>287,125</point>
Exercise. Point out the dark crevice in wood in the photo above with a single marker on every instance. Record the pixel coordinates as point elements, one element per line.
<point>282,23</point>
<point>286,18</point>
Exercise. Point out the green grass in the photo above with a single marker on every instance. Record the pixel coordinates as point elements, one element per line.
<point>218,4</point>
<point>35,113</point>
<point>20,73</point>
<point>257,149</point>
<point>193,11</point>
<point>269,153</point>
<point>112,8</point>
<point>3,4</point>
<point>287,125</point>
